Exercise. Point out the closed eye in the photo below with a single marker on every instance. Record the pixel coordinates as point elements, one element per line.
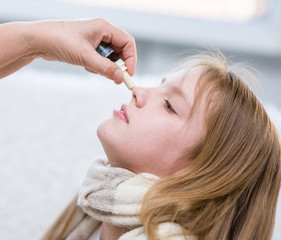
<point>169,107</point>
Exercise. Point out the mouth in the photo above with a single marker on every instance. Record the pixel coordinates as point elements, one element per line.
<point>122,113</point>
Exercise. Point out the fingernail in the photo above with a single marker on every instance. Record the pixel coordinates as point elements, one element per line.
<point>118,74</point>
<point>118,82</point>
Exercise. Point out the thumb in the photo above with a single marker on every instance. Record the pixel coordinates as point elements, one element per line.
<point>104,67</point>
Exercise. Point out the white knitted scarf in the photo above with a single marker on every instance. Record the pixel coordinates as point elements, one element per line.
<point>114,195</point>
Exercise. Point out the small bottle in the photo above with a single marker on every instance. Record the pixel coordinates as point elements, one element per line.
<point>106,51</point>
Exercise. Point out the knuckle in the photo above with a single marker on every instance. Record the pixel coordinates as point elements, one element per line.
<point>101,21</point>
<point>107,68</point>
<point>85,56</point>
<point>132,39</point>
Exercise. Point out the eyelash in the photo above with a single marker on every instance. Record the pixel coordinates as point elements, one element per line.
<point>169,107</point>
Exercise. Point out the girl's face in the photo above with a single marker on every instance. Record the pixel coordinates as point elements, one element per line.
<point>153,131</point>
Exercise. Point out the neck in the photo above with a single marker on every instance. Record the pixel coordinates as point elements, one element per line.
<point>110,232</point>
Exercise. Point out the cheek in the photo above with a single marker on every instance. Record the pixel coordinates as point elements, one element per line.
<point>154,132</point>
<point>158,155</point>
<point>147,145</point>
<point>157,142</point>
<point>109,131</point>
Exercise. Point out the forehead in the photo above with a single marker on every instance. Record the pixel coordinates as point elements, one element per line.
<point>189,82</point>
<point>186,80</point>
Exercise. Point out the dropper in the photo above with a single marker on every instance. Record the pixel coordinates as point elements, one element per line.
<point>106,51</point>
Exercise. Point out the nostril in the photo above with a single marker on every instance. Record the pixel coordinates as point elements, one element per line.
<point>134,97</point>
<point>139,95</point>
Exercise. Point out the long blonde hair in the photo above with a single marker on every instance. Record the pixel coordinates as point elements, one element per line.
<point>64,223</point>
<point>230,189</point>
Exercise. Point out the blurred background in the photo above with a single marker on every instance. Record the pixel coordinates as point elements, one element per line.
<point>50,110</point>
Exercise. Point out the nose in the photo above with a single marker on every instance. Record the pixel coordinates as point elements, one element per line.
<point>140,96</point>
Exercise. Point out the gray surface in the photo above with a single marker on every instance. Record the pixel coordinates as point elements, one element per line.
<point>48,137</point>
<point>260,35</point>
<point>50,111</point>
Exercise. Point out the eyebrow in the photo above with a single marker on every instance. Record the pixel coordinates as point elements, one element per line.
<point>177,91</point>
<point>180,93</point>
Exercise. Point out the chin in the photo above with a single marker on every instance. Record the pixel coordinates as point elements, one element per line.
<point>106,139</point>
<point>100,130</point>
<point>103,129</point>
<point>111,141</point>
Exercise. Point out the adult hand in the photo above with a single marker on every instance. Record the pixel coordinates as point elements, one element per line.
<point>73,42</point>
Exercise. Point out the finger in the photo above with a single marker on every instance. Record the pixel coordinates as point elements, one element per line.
<point>123,43</point>
<point>103,66</point>
<point>129,55</point>
<point>90,70</point>
<point>131,65</point>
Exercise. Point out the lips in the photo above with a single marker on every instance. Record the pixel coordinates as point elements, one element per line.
<point>122,113</point>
